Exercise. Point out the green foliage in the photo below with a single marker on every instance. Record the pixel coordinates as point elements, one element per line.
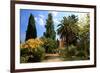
<point>80,54</point>
<point>31,28</point>
<point>70,51</point>
<point>30,50</point>
<point>49,45</point>
<point>24,55</point>
<point>68,25</point>
<point>61,51</point>
<point>33,55</point>
<point>50,32</point>
<point>23,59</point>
<point>84,36</point>
<point>23,52</point>
<point>74,34</point>
<point>37,55</point>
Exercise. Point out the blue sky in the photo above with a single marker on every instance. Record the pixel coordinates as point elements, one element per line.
<point>40,20</point>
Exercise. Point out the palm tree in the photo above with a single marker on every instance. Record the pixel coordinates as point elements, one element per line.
<point>68,29</point>
<point>63,28</point>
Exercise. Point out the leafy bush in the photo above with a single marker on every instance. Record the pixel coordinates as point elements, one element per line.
<point>32,51</point>
<point>23,55</point>
<point>32,43</point>
<point>23,59</point>
<point>49,45</point>
<point>23,52</point>
<point>72,50</point>
<point>37,55</point>
<point>61,51</point>
<point>68,52</point>
<point>80,54</point>
<point>72,53</point>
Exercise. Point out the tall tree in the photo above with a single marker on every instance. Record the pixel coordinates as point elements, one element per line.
<point>68,29</point>
<point>31,31</point>
<point>84,35</point>
<point>50,32</point>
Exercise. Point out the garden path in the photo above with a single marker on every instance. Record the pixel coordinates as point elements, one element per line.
<point>53,58</point>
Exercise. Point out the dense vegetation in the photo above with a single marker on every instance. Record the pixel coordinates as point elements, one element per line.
<point>74,33</point>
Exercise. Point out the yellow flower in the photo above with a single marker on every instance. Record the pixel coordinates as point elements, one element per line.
<point>32,43</point>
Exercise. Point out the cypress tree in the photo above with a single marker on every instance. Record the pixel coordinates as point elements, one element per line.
<point>31,31</point>
<point>50,32</point>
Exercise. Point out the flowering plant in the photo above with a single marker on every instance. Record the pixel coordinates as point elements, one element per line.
<point>32,43</point>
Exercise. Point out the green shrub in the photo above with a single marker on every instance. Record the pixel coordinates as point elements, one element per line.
<point>72,53</point>
<point>23,59</point>
<point>71,50</point>
<point>23,52</point>
<point>61,51</point>
<point>32,51</point>
<point>68,52</point>
<point>37,55</point>
<point>23,55</point>
<point>80,54</point>
<point>49,45</point>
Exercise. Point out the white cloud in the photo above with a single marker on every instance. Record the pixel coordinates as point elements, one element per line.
<point>56,21</point>
<point>36,18</point>
<point>41,22</point>
<point>41,16</point>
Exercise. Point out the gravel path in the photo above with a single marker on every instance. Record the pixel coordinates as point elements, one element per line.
<point>53,58</point>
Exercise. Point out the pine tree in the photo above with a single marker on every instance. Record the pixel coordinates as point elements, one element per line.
<point>50,32</point>
<point>31,28</point>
